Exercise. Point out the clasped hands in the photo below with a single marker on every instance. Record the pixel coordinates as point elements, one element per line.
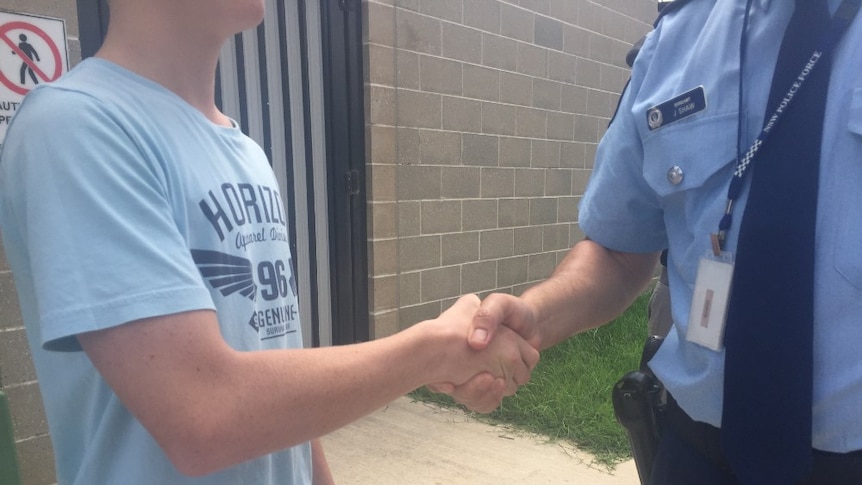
<point>500,343</point>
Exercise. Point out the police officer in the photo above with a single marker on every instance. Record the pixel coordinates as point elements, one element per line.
<point>696,101</point>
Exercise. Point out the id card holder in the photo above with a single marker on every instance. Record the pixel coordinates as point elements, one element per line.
<point>709,302</point>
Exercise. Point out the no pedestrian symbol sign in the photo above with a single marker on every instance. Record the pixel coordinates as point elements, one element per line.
<point>32,52</point>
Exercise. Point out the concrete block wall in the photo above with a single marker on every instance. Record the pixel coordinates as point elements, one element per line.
<point>17,375</point>
<point>483,118</point>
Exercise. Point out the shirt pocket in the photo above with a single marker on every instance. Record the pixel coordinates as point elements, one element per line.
<point>848,238</point>
<point>697,154</point>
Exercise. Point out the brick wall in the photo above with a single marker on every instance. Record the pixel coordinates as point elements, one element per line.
<point>483,118</point>
<point>17,375</point>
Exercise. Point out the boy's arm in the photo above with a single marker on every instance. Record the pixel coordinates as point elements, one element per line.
<point>210,407</point>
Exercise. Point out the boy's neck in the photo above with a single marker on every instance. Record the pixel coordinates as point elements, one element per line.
<point>170,56</point>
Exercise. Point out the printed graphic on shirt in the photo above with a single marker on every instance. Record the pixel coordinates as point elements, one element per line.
<point>244,216</point>
<point>226,273</point>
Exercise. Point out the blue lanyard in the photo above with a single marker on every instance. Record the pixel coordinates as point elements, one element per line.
<point>840,22</point>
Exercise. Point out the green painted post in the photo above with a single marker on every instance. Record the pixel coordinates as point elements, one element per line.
<point>9,474</point>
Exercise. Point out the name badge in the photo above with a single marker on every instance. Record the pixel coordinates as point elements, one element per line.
<point>682,106</point>
<point>708,314</point>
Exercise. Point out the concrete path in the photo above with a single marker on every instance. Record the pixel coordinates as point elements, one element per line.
<point>412,443</point>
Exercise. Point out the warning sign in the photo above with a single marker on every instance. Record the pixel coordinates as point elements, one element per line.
<point>32,52</point>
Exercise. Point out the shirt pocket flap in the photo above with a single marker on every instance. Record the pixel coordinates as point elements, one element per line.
<point>684,156</point>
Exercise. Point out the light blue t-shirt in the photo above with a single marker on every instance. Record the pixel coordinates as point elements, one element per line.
<point>667,187</point>
<point>120,202</point>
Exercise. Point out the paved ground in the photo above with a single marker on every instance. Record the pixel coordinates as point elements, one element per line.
<point>412,443</point>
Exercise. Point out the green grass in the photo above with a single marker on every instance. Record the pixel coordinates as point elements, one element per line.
<point>569,395</point>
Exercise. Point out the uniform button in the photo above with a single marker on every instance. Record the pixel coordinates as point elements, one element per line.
<point>675,175</point>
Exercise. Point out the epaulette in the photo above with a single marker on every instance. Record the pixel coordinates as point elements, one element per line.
<point>669,7</point>
<point>664,8</point>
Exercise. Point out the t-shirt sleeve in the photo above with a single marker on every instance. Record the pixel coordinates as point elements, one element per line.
<point>91,208</point>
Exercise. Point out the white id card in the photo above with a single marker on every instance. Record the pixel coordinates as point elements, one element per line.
<point>709,303</point>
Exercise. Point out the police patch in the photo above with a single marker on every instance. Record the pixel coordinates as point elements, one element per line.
<point>682,106</point>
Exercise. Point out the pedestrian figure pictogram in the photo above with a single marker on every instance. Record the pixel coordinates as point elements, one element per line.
<point>31,54</point>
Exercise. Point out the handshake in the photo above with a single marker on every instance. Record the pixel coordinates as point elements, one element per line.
<point>488,351</point>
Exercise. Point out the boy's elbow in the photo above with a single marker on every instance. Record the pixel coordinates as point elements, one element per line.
<point>191,464</point>
<point>194,451</point>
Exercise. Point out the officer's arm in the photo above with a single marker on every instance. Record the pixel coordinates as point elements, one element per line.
<point>590,287</point>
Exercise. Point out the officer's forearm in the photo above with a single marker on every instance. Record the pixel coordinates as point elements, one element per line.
<point>590,287</point>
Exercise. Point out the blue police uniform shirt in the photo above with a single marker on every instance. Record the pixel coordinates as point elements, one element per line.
<point>666,186</point>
